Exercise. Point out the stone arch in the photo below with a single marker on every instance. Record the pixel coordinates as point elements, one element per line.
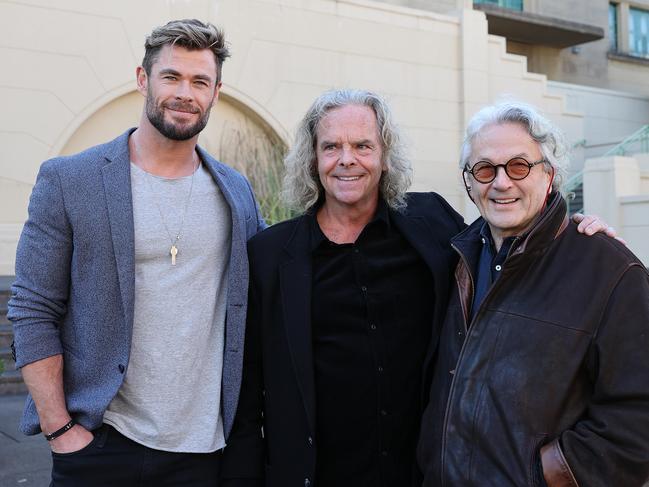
<point>236,134</point>
<point>231,119</point>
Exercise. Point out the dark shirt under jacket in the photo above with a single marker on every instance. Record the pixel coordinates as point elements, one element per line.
<point>372,311</point>
<point>489,265</point>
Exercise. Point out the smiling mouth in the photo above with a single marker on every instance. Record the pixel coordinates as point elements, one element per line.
<point>505,201</point>
<point>347,178</point>
<point>181,109</point>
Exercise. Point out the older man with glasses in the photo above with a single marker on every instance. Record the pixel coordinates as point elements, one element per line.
<point>541,376</point>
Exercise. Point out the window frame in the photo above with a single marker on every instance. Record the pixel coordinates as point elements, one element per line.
<point>497,3</point>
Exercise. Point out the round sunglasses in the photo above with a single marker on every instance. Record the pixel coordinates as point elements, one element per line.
<point>516,168</point>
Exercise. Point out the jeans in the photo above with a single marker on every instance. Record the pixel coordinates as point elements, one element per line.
<point>112,460</point>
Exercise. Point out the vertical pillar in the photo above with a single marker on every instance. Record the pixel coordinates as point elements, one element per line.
<point>474,75</point>
<point>606,179</point>
<point>623,27</point>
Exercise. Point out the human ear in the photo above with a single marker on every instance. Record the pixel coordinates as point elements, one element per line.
<point>142,80</point>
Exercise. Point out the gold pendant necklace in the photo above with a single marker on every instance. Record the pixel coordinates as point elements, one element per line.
<point>173,251</point>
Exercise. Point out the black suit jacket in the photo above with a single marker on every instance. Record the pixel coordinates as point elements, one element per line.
<point>278,389</point>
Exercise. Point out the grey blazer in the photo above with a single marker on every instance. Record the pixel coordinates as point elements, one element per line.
<point>74,287</point>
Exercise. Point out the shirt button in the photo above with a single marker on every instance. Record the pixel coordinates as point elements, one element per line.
<point>121,368</point>
<point>483,240</point>
<point>373,326</point>
<point>380,369</point>
<point>363,288</point>
<point>384,412</point>
<point>356,251</point>
<point>307,482</point>
<point>498,267</point>
<point>310,440</point>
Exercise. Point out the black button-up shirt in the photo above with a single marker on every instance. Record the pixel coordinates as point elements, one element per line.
<point>372,309</point>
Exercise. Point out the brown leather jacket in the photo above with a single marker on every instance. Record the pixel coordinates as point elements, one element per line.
<point>550,380</point>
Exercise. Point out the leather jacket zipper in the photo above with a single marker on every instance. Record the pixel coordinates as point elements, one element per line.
<point>465,312</point>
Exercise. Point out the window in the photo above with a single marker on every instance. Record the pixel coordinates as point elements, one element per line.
<point>510,4</point>
<point>612,27</point>
<point>639,32</point>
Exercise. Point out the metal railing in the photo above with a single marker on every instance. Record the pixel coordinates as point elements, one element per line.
<point>637,142</point>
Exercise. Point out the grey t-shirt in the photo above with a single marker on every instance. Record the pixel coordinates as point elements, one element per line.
<point>171,396</point>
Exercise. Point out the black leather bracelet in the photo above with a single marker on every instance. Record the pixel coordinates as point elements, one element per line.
<point>60,431</point>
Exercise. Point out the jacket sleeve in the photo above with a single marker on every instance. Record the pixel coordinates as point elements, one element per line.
<point>243,457</point>
<point>610,444</point>
<point>454,217</point>
<point>40,292</point>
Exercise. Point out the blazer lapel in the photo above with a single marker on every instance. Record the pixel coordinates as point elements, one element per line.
<point>116,176</point>
<point>295,284</point>
<point>420,235</point>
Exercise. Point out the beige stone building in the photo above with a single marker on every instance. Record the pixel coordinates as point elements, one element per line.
<point>69,78</point>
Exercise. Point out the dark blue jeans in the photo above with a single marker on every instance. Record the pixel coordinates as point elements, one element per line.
<point>112,460</point>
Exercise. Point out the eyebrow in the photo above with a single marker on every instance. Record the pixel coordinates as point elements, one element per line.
<point>327,142</point>
<point>524,155</point>
<point>364,142</point>
<point>355,142</point>
<point>177,73</point>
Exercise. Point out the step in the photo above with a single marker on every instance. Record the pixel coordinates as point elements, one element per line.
<point>11,382</point>
<point>6,335</point>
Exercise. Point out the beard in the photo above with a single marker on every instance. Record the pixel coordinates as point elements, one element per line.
<point>173,131</point>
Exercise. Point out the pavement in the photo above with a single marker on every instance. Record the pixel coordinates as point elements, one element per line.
<point>25,461</point>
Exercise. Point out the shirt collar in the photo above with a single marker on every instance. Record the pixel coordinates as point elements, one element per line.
<point>487,239</point>
<point>381,219</point>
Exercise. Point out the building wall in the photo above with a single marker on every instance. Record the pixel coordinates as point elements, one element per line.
<point>625,182</point>
<point>438,6</point>
<point>609,117</point>
<point>72,79</point>
<point>588,64</point>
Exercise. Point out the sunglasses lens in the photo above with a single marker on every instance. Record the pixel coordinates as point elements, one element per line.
<point>484,172</point>
<point>517,168</point>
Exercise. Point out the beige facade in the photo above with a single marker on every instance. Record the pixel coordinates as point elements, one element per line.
<point>593,63</point>
<point>625,181</point>
<point>71,82</point>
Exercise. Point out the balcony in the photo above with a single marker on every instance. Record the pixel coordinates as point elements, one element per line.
<point>506,20</point>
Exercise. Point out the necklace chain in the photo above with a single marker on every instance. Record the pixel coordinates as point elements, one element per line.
<point>172,240</point>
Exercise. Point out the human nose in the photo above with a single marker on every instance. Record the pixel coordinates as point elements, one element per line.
<point>502,180</point>
<point>183,91</point>
<point>347,156</point>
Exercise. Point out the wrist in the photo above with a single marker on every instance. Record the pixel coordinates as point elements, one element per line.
<point>50,422</point>
<point>52,435</point>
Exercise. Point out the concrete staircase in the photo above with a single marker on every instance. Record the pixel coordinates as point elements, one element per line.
<point>11,381</point>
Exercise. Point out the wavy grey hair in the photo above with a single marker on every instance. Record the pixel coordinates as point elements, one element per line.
<point>302,186</point>
<point>550,138</point>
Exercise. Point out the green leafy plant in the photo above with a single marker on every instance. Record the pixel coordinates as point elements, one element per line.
<point>258,156</point>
